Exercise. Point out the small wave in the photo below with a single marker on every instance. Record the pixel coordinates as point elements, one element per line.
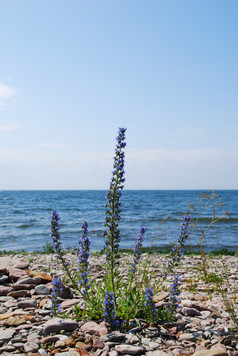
<point>16,211</point>
<point>25,226</point>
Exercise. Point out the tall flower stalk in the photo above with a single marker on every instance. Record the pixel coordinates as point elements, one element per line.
<point>174,293</point>
<point>150,305</point>
<point>83,263</point>
<point>178,250</point>
<point>109,311</point>
<point>137,252</point>
<point>113,210</point>
<point>57,287</point>
<point>55,235</point>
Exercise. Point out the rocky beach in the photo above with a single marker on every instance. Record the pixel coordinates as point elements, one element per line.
<point>203,326</point>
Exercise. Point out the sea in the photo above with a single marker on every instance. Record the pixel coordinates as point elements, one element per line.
<point>25,217</point>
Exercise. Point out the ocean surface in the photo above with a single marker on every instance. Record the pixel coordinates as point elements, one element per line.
<point>25,217</point>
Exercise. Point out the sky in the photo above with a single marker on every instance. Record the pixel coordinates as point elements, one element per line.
<point>73,71</point>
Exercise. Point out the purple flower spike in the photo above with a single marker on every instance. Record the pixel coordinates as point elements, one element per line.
<point>113,205</point>
<point>150,305</point>
<point>138,245</point>
<point>83,256</point>
<point>178,250</point>
<point>109,312</point>
<point>56,289</point>
<point>173,295</point>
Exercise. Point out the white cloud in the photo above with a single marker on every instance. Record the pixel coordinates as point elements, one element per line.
<point>51,145</point>
<point>11,127</point>
<point>191,130</point>
<point>6,93</point>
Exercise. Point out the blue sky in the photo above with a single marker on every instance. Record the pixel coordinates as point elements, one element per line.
<point>72,72</point>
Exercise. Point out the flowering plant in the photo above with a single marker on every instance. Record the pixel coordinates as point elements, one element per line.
<point>120,301</point>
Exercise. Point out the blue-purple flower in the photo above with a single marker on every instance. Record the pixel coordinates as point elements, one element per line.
<point>83,256</point>
<point>138,245</point>
<point>150,305</point>
<point>174,293</point>
<point>112,214</point>
<point>178,250</point>
<point>109,311</point>
<point>55,231</point>
<point>56,289</point>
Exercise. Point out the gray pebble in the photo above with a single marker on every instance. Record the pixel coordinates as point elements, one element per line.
<point>41,289</point>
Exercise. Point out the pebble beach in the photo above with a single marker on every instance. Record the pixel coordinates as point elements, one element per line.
<point>203,326</point>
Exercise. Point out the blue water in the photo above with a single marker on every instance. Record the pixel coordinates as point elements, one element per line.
<point>25,217</point>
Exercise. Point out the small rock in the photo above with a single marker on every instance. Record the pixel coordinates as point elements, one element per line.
<point>42,352</point>
<point>14,321</point>
<point>23,327</point>
<point>21,264</point>
<point>219,346</point>
<point>6,334</point>
<point>18,345</point>
<point>125,349</point>
<point>19,293</point>
<point>49,339</point>
<point>72,353</point>
<point>69,303</point>
<point>160,296</point>
<point>210,353</point>
<point>187,337</point>
<point>23,286</point>
<point>157,353</point>
<point>5,290</point>
<point>97,344</point>
<point>3,278</point>
<point>65,292</point>
<point>31,347</point>
<point>41,289</point>
<point>29,280</point>
<point>190,311</point>
<point>154,345</point>
<point>60,344</point>
<point>130,338</point>
<point>16,273</point>
<point>57,324</point>
<point>29,303</point>
<point>113,353</point>
<point>4,263</point>
<point>93,328</point>
<point>115,336</point>
<point>34,337</point>
<point>5,316</point>
<point>3,310</point>
<point>145,341</point>
<point>45,277</point>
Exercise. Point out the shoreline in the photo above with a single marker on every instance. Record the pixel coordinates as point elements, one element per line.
<point>159,250</point>
<point>203,323</point>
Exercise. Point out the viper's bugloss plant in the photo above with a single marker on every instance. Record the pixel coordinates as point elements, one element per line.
<point>138,245</point>
<point>57,287</point>
<point>83,256</point>
<point>55,235</point>
<point>57,247</point>
<point>109,313</point>
<point>174,293</point>
<point>178,249</point>
<point>120,301</point>
<point>151,310</point>
<point>113,210</point>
